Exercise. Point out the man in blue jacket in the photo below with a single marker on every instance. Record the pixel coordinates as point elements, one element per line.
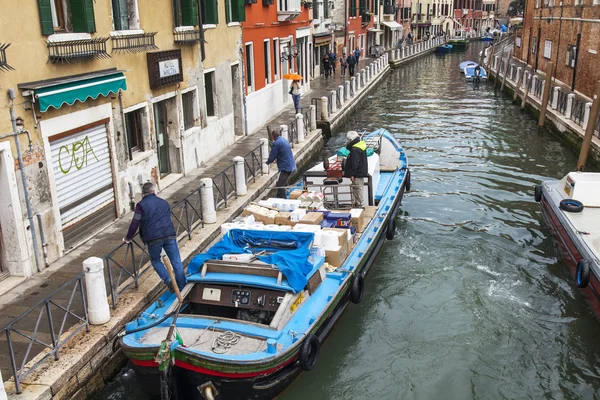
<point>282,152</point>
<point>153,217</point>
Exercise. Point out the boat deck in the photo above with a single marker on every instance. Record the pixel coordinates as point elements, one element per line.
<point>586,223</point>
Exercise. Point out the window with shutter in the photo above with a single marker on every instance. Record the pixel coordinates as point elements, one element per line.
<point>82,16</point>
<point>46,17</point>
<point>190,12</point>
<point>353,8</point>
<point>210,12</point>
<point>120,14</point>
<point>239,11</point>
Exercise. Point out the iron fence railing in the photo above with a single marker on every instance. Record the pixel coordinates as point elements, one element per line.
<point>253,164</point>
<point>597,127</point>
<point>292,133</point>
<point>34,333</point>
<point>224,187</point>
<point>550,96</point>
<point>307,119</point>
<point>561,101</point>
<point>187,214</point>
<point>578,111</point>
<point>315,101</point>
<point>537,89</point>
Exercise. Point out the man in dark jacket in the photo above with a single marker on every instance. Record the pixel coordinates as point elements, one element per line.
<point>282,152</point>
<point>351,61</point>
<point>357,166</point>
<point>153,217</point>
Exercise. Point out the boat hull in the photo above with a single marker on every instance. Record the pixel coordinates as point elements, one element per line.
<point>189,375</point>
<point>571,250</point>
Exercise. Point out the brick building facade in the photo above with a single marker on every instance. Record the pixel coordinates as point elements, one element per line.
<point>568,35</point>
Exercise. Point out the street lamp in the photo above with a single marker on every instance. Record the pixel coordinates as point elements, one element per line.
<point>291,51</point>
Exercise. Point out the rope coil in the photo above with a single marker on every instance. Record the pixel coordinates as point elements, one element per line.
<point>225,340</point>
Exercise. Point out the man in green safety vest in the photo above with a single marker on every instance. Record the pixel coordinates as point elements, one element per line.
<point>357,167</point>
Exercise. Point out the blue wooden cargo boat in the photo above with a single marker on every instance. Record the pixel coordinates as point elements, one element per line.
<point>466,64</point>
<point>247,328</point>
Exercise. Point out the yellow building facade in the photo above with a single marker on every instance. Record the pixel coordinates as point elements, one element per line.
<point>106,95</point>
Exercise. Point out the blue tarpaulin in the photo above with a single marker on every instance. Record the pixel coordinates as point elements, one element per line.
<point>289,251</point>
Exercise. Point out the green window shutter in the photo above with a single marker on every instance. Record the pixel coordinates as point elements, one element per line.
<point>363,6</point>
<point>239,10</point>
<point>82,15</point>
<point>352,8</point>
<point>210,12</point>
<point>46,17</point>
<point>120,14</point>
<point>190,12</point>
<point>227,10</point>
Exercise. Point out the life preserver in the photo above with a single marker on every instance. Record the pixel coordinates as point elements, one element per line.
<point>309,352</point>
<point>538,193</point>
<point>571,205</point>
<point>407,184</point>
<point>582,273</point>
<point>357,289</point>
<point>391,228</point>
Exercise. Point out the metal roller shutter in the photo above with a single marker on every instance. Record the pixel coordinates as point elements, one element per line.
<point>84,182</point>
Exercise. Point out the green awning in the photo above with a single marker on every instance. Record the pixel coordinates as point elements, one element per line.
<point>55,93</point>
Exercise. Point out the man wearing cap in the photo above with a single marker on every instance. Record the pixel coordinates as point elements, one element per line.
<point>282,152</point>
<point>153,217</point>
<point>357,167</point>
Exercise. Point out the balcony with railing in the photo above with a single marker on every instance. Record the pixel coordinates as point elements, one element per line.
<point>366,19</point>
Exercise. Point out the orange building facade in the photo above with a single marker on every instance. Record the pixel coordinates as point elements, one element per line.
<point>276,40</point>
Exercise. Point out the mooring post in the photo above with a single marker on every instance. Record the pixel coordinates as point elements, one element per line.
<point>239,171</point>
<point>333,102</point>
<point>554,103</point>
<point>589,130</point>
<point>313,117</point>
<point>498,70</point>
<point>346,90</point>
<point>506,68</point>
<point>264,150</point>
<point>546,93</point>
<point>284,132</point>
<point>209,213</point>
<point>97,301</point>
<point>324,110</point>
<point>300,127</point>
<point>528,79</point>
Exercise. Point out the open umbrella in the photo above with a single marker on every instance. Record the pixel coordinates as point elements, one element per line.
<point>293,77</point>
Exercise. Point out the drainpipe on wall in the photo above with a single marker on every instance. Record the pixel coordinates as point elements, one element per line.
<point>202,49</point>
<point>16,133</point>
<point>244,91</point>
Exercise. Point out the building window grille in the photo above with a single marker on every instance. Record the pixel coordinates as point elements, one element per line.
<point>134,43</point>
<point>77,50</point>
<point>3,63</point>
<point>187,37</point>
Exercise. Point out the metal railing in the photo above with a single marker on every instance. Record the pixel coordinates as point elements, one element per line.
<point>537,89</point>
<point>292,133</point>
<point>577,111</point>
<point>307,118</point>
<point>224,187</point>
<point>253,164</point>
<point>56,310</point>
<point>187,214</point>
<point>315,101</point>
<point>562,101</point>
<point>597,127</point>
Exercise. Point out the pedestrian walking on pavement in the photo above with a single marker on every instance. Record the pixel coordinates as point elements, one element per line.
<point>153,217</point>
<point>357,54</point>
<point>343,64</point>
<point>351,61</point>
<point>295,90</point>
<point>282,152</point>
<point>357,167</point>
<point>326,66</point>
<point>332,61</point>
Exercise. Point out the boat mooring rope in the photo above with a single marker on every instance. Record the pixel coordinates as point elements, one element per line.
<point>225,340</point>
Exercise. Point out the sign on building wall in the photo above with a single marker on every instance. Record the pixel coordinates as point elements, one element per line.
<point>518,41</point>
<point>164,68</point>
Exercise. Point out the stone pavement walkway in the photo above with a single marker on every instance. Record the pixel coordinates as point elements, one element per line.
<point>40,286</point>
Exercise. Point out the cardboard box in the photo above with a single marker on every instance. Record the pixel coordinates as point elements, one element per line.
<point>357,220</point>
<point>312,218</point>
<point>295,194</point>
<point>283,218</point>
<point>369,212</point>
<point>348,238</point>
<point>265,219</point>
<point>336,257</point>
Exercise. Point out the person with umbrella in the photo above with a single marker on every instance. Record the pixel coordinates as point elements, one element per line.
<point>295,89</point>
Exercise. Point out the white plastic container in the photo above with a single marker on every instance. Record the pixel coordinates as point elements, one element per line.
<point>245,257</point>
<point>297,214</point>
<point>583,187</point>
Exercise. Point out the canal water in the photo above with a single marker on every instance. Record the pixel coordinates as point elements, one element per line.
<point>470,300</point>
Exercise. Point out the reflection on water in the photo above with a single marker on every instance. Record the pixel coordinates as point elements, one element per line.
<point>469,301</point>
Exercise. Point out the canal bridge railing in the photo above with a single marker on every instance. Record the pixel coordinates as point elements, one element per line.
<point>563,102</point>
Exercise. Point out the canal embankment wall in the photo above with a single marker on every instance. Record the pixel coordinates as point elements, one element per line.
<point>87,360</point>
<point>567,112</point>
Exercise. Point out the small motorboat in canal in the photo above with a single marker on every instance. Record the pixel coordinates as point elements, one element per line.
<point>459,43</point>
<point>260,302</point>
<point>443,49</point>
<point>466,64</point>
<point>570,207</point>
<point>470,73</point>
<point>487,38</point>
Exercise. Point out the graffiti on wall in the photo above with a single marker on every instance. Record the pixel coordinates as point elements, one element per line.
<point>77,155</point>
